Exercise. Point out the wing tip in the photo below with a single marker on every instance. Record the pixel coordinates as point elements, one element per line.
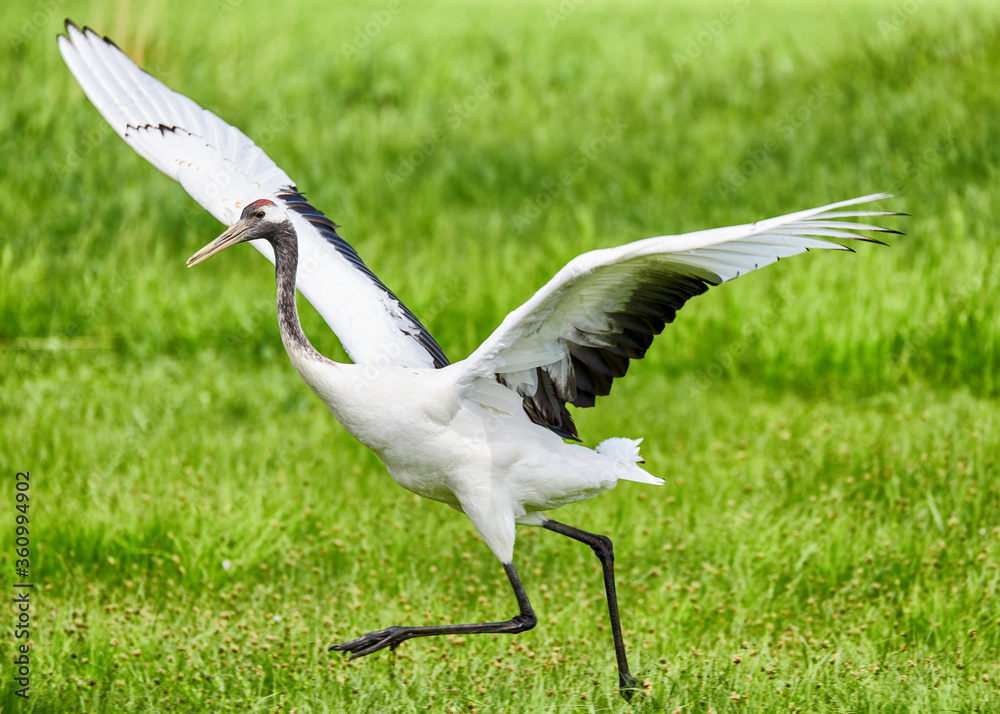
<point>69,27</point>
<point>86,32</point>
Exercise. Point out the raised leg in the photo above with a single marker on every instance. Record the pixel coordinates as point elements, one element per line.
<point>602,548</point>
<point>393,636</point>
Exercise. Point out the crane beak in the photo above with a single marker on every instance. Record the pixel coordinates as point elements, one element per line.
<point>231,237</point>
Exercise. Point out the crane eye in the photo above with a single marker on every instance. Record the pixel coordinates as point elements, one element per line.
<point>258,214</point>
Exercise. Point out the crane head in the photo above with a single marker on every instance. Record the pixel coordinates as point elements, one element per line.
<point>260,219</point>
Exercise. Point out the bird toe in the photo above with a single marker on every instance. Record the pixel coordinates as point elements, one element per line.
<point>372,642</point>
<point>630,687</point>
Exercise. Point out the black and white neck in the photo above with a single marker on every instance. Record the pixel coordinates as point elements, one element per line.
<point>265,220</point>
<point>286,259</point>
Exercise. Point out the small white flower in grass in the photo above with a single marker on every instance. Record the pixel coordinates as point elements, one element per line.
<point>276,618</point>
<point>227,564</point>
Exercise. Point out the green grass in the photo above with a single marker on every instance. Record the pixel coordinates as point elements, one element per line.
<point>828,427</point>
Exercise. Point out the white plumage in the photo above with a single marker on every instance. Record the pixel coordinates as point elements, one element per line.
<point>626,451</point>
<point>484,435</point>
<point>224,171</point>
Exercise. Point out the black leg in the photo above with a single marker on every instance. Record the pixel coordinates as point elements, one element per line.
<point>393,636</point>
<point>601,545</point>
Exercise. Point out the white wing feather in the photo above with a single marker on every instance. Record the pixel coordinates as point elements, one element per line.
<point>577,308</point>
<point>224,170</point>
<point>217,164</point>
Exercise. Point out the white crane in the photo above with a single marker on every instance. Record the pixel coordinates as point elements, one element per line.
<point>484,435</point>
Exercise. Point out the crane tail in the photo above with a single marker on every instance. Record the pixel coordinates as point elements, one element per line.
<point>625,454</point>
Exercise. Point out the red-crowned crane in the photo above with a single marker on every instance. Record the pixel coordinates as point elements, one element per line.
<point>484,435</point>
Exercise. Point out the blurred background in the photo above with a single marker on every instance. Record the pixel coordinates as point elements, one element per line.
<point>827,426</point>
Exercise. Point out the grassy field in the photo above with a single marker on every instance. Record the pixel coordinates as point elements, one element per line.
<point>828,537</point>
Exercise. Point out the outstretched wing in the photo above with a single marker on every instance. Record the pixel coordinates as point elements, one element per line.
<point>216,163</point>
<point>224,170</point>
<point>578,333</point>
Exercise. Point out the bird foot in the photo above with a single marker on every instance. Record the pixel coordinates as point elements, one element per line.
<point>374,641</point>
<point>629,687</point>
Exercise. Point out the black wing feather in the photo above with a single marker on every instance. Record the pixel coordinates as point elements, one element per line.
<point>653,303</point>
